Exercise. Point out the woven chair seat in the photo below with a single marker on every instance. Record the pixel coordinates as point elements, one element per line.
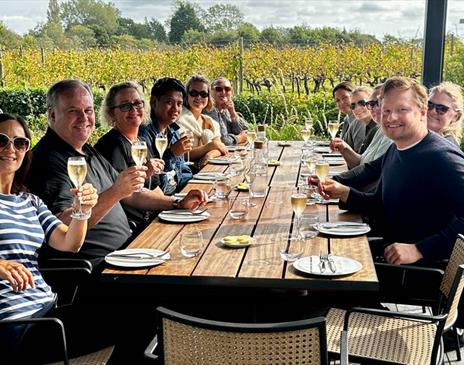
<point>187,345</point>
<point>389,339</point>
<point>95,358</point>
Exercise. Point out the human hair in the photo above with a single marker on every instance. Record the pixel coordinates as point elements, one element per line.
<point>204,80</point>
<point>218,80</point>
<point>344,85</point>
<point>362,89</point>
<point>405,83</point>
<point>20,175</point>
<point>454,92</point>
<point>108,104</point>
<point>166,84</point>
<point>62,86</point>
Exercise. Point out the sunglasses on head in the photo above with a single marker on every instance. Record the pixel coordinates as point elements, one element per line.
<point>225,89</point>
<point>360,103</point>
<point>194,94</point>
<point>440,108</point>
<point>21,144</point>
<point>125,107</point>
<point>371,104</point>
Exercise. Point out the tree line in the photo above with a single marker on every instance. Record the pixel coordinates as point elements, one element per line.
<point>81,24</point>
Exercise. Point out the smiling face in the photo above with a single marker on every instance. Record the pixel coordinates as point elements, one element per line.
<point>10,158</point>
<point>403,120</point>
<point>437,122</point>
<point>198,103</point>
<point>343,100</point>
<point>221,92</point>
<point>168,107</point>
<point>360,112</point>
<point>375,111</point>
<point>128,119</point>
<point>73,118</point>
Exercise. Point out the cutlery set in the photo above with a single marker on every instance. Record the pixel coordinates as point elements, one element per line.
<point>326,260</point>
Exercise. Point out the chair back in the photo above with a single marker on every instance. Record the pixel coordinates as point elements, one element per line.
<point>453,282</point>
<point>185,340</point>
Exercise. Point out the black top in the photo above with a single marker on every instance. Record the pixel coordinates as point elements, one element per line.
<point>371,129</point>
<point>419,196</point>
<point>117,150</point>
<point>48,178</point>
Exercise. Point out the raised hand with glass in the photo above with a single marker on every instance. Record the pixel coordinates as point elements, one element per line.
<point>333,128</point>
<point>139,153</point>
<point>161,143</point>
<point>189,135</point>
<point>77,171</point>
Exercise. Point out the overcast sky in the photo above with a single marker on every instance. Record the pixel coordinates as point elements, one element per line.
<point>401,18</point>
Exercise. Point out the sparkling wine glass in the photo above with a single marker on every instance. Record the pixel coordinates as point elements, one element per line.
<point>161,143</point>
<point>77,171</point>
<point>139,153</point>
<point>189,134</point>
<point>333,127</point>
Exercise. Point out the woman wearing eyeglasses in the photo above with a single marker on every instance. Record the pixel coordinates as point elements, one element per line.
<point>206,132</point>
<point>444,114</point>
<point>26,224</point>
<point>233,126</point>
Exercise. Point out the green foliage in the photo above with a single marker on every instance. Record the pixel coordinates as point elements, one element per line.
<point>183,19</point>
<point>222,17</point>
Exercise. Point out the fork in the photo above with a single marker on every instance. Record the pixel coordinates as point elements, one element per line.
<point>139,255</point>
<point>198,212</point>
<point>322,259</point>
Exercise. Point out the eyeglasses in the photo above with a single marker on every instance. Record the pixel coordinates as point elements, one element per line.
<point>371,104</point>
<point>20,144</point>
<point>440,108</point>
<point>194,93</point>
<point>225,89</point>
<point>360,103</point>
<point>126,107</point>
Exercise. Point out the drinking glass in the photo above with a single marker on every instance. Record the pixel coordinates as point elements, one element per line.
<point>238,208</point>
<point>290,246</point>
<point>77,171</point>
<point>322,170</point>
<point>236,167</point>
<point>307,228</point>
<point>240,152</point>
<point>251,137</point>
<point>222,187</point>
<point>306,134</point>
<point>189,134</point>
<point>248,175</point>
<point>333,127</point>
<point>191,243</point>
<point>139,153</point>
<point>161,143</point>
<point>298,200</point>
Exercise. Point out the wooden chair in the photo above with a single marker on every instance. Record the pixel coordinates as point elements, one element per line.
<point>185,340</point>
<point>398,337</point>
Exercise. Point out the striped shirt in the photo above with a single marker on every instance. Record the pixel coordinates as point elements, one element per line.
<point>25,222</point>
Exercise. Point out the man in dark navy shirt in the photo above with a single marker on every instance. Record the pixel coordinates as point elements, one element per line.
<point>419,199</point>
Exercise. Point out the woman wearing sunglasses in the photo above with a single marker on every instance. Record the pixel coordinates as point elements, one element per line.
<point>444,114</point>
<point>206,132</point>
<point>26,224</point>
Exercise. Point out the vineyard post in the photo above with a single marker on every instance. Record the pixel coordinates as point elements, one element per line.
<point>240,71</point>
<point>2,76</point>
<point>42,55</point>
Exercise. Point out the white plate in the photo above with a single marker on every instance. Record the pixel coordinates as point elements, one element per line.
<point>238,245</point>
<point>220,161</point>
<point>231,148</point>
<point>169,216</point>
<point>322,143</point>
<point>211,198</point>
<point>332,155</point>
<point>136,262</point>
<point>335,161</point>
<point>344,265</point>
<point>342,228</point>
<point>208,175</point>
<point>330,201</point>
<point>322,149</point>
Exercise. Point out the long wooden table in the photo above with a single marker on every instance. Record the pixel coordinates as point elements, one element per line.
<point>258,265</point>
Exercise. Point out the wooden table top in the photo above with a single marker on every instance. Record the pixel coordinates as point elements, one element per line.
<point>258,265</point>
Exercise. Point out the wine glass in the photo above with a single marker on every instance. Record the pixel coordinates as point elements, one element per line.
<point>191,243</point>
<point>251,137</point>
<point>291,246</point>
<point>77,171</point>
<point>189,134</point>
<point>248,175</point>
<point>161,143</point>
<point>333,127</point>
<point>322,170</point>
<point>139,153</point>
<point>298,200</point>
<point>306,134</point>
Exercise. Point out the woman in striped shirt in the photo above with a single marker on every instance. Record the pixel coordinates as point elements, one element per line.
<point>25,223</point>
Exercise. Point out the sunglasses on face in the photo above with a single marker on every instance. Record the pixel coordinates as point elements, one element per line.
<point>360,103</point>
<point>440,108</point>
<point>225,89</point>
<point>125,107</point>
<point>20,144</point>
<point>371,104</point>
<point>194,94</point>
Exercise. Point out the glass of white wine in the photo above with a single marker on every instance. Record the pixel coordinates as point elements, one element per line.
<point>161,143</point>
<point>298,200</point>
<point>322,170</point>
<point>306,134</point>
<point>251,137</point>
<point>77,171</point>
<point>333,127</point>
<point>139,153</point>
<point>189,134</point>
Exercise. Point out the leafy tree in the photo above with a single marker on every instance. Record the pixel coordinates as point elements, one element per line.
<point>222,17</point>
<point>274,36</point>
<point>8,38</point>
<point>81,36</point>
<point>53,12</point>
<point>183,19</point>
<point>157,30</point>
<point>193,36</point>
<point>249,32</point>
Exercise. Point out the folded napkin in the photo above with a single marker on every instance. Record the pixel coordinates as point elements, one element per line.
<point>196,181</point>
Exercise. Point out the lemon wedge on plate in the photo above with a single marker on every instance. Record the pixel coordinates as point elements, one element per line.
<point>242,187</point>
<point>273,163</point>
<point>237,241</point>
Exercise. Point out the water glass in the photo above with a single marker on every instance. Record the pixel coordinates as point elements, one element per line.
<point>307,226</point>
<point>222,187</point>
<point>191,243</point>
<point>290,247</point>
<point>238,208</point>
<point>240,152</point>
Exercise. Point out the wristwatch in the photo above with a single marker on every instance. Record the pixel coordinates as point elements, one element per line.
<point>176,203</point>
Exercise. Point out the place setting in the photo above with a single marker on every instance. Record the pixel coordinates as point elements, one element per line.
<point>184,215</point>
<point>207,177</point>
<point>342,228</point>
<point>327,264</point>
<point>137,257</point>
<point>221,161</point>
